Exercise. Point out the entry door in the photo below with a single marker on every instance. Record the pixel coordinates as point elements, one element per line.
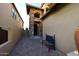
<point>3,36</point>
<point>35,29</point>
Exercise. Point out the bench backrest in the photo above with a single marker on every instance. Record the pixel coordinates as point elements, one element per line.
<point>50,39</point>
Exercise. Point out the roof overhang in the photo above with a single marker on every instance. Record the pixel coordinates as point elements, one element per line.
<point>28,7</point>
<point>17,11</point>
<point>54,9</point>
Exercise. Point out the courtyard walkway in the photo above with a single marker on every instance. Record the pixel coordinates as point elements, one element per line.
<point>32,47</point>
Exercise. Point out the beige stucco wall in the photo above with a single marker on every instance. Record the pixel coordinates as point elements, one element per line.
<point>14,27</point>
<point>63,24</point>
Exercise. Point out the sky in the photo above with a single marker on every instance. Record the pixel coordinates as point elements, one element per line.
<point>22,10</point>
<point>36,4</point>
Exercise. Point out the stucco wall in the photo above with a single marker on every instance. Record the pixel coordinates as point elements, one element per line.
<point>13,26</point>
<point>63,24</point>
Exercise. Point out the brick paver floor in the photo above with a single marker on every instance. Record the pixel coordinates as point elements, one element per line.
<point>32,47</point>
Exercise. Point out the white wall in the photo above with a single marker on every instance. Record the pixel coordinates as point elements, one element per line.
<point>63,24</point>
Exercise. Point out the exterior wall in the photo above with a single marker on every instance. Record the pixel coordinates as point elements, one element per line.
<point>63,24</point>
<point>13,26</point>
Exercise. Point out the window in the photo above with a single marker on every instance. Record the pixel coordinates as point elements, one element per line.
<point>13,13</point>
<point>37,15</point>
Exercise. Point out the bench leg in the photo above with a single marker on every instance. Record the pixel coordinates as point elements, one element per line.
<point>49,49</point>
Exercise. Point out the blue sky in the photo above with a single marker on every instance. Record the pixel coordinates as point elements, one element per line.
<point>22,10</point>
<point>36,4</point>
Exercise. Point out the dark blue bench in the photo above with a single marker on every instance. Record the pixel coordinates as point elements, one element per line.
<point>49,42</point>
